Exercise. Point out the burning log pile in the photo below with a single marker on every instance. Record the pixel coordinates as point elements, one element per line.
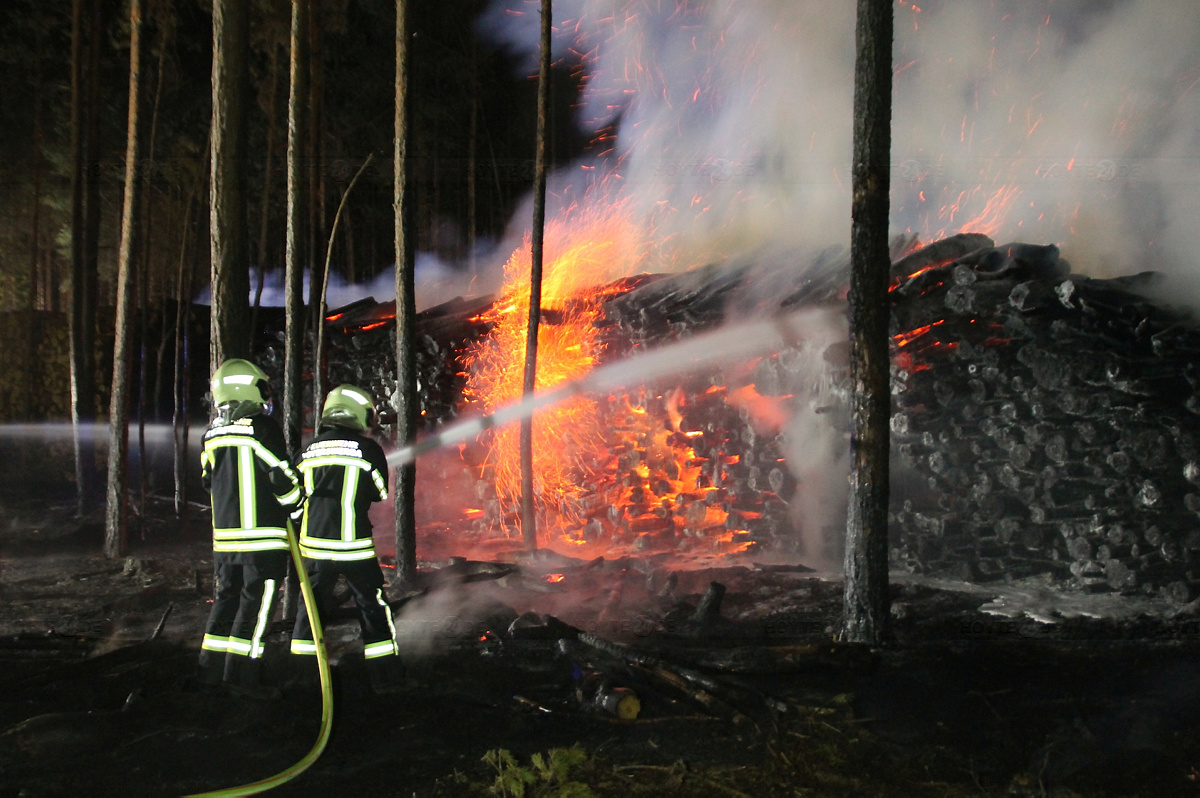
<point>707,486</point>
<point>1044,423</point>
<point>697,467</point>
<point>1052,421</point>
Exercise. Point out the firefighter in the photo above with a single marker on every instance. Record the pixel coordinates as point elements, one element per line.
<point>343,471</point>
<point>254,490</point>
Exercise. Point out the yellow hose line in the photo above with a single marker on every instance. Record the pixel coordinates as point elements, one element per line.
<point>326,693</point>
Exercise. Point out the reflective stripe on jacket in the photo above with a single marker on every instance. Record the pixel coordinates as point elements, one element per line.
<point>343,473</point>
<point>254,489</point>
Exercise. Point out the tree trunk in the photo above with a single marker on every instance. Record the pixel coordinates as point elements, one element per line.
<point>294,254</point>
<point>866,594</point>
<point>316,183</point>
<point>408,404</point>
<point>183,321</point>
<point>472,165</point>
<point>293,390</point>
<point>147,230</point>
<point>227,221</point>
<point>528,505</point>
<point>76,314</point>
<point>35,232</point>
<point>264,205</point>
<point>84,232</point>
<point>319,349</point>
<point>116,513</point>
<point>92,210</point>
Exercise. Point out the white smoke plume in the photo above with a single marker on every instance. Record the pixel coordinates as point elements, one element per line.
<point>1080,118</point>
<point>436,282</point>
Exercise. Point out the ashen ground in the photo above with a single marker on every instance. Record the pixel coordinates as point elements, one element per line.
<point>97,695</point>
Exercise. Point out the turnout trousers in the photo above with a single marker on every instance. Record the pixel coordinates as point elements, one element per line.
<point>365,579</point>
<point>240,619</point>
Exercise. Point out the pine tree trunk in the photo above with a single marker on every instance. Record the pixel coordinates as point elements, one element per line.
<point>183,320</point>
<point>294,253</point>
<point>227,222</point>
<point>319,348</point>
<point>35,232</point>
<point>84,209</point>
<point>76,311</point>
<point>408,404</point>
<point>472,166</point>
<point>116,514</point>
<point>293,301</point>
<point>528,503</point>
<point>866,593</point>
<point>264,205</point>
<point>315,161</point>
<point>144,281</point>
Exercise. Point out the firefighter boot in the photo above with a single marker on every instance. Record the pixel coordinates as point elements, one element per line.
<point>243,676</point>
<point>302,673</point>
<point>386,675</point>
<point>211,669</point>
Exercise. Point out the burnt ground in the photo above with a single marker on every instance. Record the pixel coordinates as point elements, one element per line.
<point>98,696</point>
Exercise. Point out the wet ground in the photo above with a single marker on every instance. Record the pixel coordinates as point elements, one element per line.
<point>1040,694</point>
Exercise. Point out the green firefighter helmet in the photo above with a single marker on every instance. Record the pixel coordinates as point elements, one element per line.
<point>348,406</point>
<point>238,381</point>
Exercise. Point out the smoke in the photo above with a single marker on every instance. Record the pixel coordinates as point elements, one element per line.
<point>436,282</point>
<point>434,622</point>
<point>1087,109</point>
<point>711,103</point>
<point>1076,119</point>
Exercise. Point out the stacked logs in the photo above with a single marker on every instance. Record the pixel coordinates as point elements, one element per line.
<point>361,351</point>
<point>693,470</point>
<point>1044,423</point>
<point>687,471</point>
<point>1050,420</point>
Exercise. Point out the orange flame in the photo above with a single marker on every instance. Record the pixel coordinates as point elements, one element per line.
<point>991,218</point>
<point>574,261</point>
<point>768,414</point>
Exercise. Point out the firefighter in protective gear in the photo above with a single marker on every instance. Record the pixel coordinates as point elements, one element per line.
<point>246,469</point>
<point>343,471</point>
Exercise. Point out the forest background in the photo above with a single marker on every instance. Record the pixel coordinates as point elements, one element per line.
<point>471,162</point>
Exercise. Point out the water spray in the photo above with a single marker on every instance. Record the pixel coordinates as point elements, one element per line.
<point>62,431</point>
<point>734,343</point>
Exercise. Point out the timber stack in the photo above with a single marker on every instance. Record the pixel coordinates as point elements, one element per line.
<point>1044,423</point>
<point>1051,421</point>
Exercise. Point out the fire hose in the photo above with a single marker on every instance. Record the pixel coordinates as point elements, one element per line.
<point>303,764</point>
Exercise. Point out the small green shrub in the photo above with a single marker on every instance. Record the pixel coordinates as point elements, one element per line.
<point>545,777</point>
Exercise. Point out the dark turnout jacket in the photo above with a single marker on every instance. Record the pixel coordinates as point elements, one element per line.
<point>244,465</point>
<point>343,473</point>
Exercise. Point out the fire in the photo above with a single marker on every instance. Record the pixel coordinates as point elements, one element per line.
<point>767,413</point>
<point>991,219</point>
<point>578,254</point>
<point>610,473</point>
